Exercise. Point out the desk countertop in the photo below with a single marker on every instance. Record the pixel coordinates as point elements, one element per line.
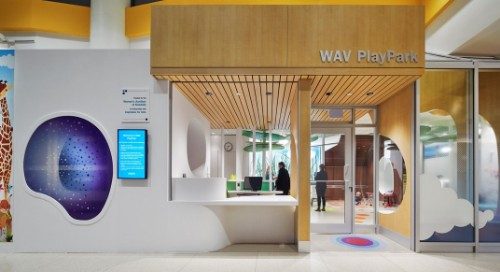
<point>250,192</point>
<point>259,200</point>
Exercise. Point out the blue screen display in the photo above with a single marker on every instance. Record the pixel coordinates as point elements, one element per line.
<point>132,153</point>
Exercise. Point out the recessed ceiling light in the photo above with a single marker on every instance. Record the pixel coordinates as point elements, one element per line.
<point>369,93</point>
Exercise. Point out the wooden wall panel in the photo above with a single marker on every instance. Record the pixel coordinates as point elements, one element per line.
<point>395,116</point>
<point>283,40</point>
<point>138,18</point>
<point>447,90</point>
<point>489,101</point>
<point>218,36</point>
<point>342,27</point>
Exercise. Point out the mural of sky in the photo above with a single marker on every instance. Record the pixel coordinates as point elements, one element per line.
<point>7,73</point>
<point>445,215</point>
<point>68,159</point>
<point>489,181</point>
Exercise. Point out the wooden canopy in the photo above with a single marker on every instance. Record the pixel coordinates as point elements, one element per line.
<point>240,64</point>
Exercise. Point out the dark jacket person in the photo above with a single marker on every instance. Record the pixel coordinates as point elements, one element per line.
<point>321,178</point>
<point>283,179</point>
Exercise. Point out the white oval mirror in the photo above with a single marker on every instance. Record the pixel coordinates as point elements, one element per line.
<point>385,176</point>
<point>391,176</point>
<point>196,147</point>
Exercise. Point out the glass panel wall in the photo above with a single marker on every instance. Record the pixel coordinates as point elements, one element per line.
<point>332,116</point>
<point>488,159</point>
<point>328,187</point>
<point>446,181</point>
<point>270,148</point>
<point>364,209</point>
<point>364,116</point>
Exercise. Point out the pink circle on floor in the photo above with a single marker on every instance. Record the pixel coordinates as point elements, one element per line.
<point>357,241</point>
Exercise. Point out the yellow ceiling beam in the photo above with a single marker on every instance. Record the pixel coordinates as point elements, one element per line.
<point>45,17</point>
<point>433,8</point>
<point>74,21</point>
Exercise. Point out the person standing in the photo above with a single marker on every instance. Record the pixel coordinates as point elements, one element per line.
<point>321,177</point>
<point>283,179</point>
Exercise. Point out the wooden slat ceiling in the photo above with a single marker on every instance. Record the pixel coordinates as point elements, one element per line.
<point>263,102</point>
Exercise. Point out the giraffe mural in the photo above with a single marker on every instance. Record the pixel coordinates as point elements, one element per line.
<point>6,76</point>
<point>5,139</point>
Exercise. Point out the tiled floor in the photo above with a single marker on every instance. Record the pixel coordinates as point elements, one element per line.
<point>334,213</point>
<point>327,243</point>
<point>244,258</point>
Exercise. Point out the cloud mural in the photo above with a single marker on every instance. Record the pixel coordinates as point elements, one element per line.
<point>441,209</point>
<point>7,61</point>
<point>488,173</point>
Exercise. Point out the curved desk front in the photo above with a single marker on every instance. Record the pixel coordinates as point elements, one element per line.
<point>264,218</point>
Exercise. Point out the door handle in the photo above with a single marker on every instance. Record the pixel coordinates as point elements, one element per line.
<point>347,177</point>
<point>348,183</point>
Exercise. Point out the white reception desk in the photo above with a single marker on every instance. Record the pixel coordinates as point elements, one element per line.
<point>239,215</point>
<point>198,189</point>
<point>213,192</point>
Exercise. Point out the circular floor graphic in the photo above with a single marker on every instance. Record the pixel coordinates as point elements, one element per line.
<point>357,241</point>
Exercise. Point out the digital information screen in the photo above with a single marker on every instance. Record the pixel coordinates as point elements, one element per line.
<point>132,153</point>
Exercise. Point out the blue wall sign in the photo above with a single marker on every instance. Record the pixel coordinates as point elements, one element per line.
<point>132,153</point>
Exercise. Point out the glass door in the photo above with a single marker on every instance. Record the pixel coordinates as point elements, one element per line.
<point>331,180</point>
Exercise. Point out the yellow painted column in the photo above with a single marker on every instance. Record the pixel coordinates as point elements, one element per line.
<point>300,127</point>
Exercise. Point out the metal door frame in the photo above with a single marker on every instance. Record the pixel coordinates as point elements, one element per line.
<point>347,226</point>
<point>327,128</point>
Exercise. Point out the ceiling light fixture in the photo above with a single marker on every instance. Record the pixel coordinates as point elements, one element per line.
<point>10,43</point>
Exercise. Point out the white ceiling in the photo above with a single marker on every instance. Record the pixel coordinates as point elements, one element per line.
<point>485,43</point>
<point>466,27</point>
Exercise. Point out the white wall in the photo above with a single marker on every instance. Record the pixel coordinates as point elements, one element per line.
<point>182,113</point>
<point>230,157</point>
<point>107,24</point>
<point>45,41</point>
<point>138,217</point>
<point>215,156</point>
<point>141,43</point>
<point>49,42</point>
